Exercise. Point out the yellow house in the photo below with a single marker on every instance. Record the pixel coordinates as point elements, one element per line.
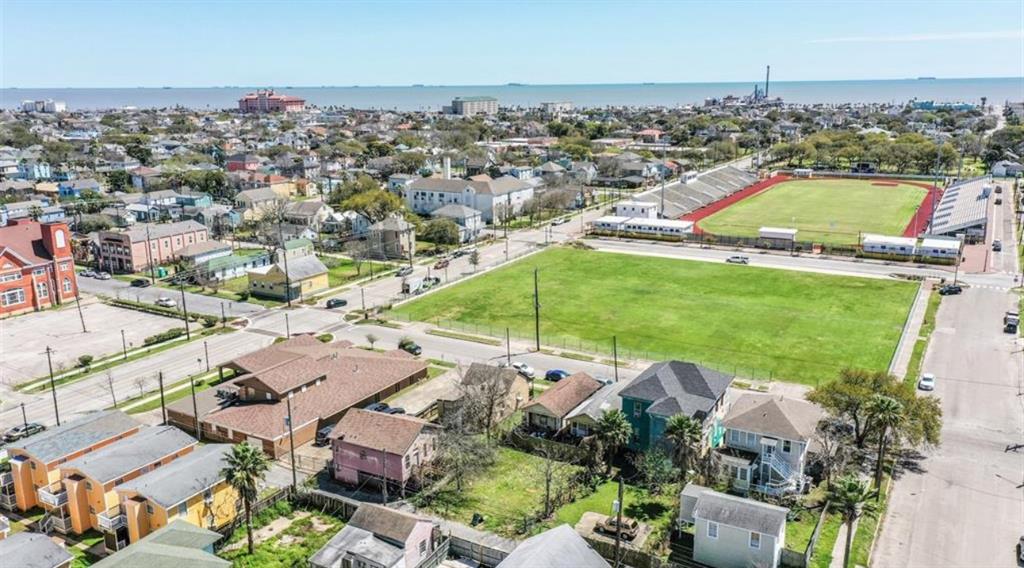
<point>90,481</point>
<point>34,478</point>
<point>305,277</point>
<point>191,489</point>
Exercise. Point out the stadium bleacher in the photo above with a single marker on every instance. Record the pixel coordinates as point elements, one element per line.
<point>706,189</point>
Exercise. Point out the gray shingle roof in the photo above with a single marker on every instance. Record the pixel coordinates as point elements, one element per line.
<point>455,211</point>
<point>131,453</point>
<point>559,547</point>
<point>675,387</point>
<point>32,550</point>
<point>76,435</point>
<point>384,522</point>
<point>741,513</point>
<point>785,418</point>
<point>439,184</point>
<point>358,542</point>
<point>161,230</point>
<point>178,544</point>
<point>304,267</point>
<point>184,477</point>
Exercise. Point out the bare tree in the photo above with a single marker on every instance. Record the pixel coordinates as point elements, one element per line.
<point>460,453</point>
<point>140,383</point>
<point>835,439</point>
<point>110,385</point>
<point>552,472</point>
<point>482,402</point>
<point>357,251</point>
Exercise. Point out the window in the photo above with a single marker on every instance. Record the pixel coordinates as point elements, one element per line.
<point>712,529</point>
<point>787,446</point>
<point>755,540</point>
<point>423,547</point>
<point>751,438</point>
<point>362,454</point>
<point>42,290</point>
<point>408,462</point>
<point>183,509</point>
<point>59,237</point>
<point>149,509</point>
<point>12,297</point>
<point>67,284</point>
<point>65,265</point>
<point>734,436</point>
<point>10,277</point>
<point>637,410</point>
<point>88,486</point>
<point>743,473</point>
<point>38,271</point>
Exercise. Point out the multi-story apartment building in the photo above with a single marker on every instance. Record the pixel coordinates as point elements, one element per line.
<point>37,268</point>
<point>269,101</point>
<point>147,244</point>
<point>469,106</point>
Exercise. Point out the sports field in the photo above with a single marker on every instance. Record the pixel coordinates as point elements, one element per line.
<point>795,326</point>
<point>833,211</point>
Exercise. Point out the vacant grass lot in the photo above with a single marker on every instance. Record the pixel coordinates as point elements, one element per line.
<point>655,510</point>
<point>832,211</point>
<point>798,326</point>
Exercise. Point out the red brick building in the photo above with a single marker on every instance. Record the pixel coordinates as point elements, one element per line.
<point>36,266</point>
<point>269,101</point>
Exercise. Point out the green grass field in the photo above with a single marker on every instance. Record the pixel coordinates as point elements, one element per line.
<point>796,326</point>
<point>832,211</point>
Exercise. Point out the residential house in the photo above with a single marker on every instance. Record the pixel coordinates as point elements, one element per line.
<point>583,172</point>
<point>668,388</point>
<point>323,381</point>
<point>548,411</point>
<point>89,481</point>
<point>583,419</point>
<point>1006,168</point>
<point>34,170</point>
<point>392,237</point>
<point>198,254</point>
<point>379,537</point>
<point>180,543</point>
<point>369,446</point>
<point>74,188</point>
<point>551,172</point>
<point>233,265</point>
<point>767,442</point>
<point>289,279</point>
<point>255,203</point>
<point>242,162</point>
<point>143,177</point>
<point>399,184</point>
<point>37,268</point>
<point>147,244</point>
<point>36,460</point>
<point>560,547</point>
<point>469,220</point>
<point>33,550</point>
<point>492,197</point>
<point>192,488</point>
<point>731,531</point>
<point>309,214</point>
<point>509,387</point>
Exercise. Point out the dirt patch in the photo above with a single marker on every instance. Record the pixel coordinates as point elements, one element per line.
<point>320,526</point>
<point>288,540</point>
<point>276,527</point>
<point>886,184</point>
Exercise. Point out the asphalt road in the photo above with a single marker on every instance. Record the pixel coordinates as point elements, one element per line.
<point>195,302</point>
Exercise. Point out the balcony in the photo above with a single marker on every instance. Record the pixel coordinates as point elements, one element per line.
<point>60,524</point>
<point>6,478</point>
<point>111,520</point>
<point>8,501</point>
<point>53,496</point>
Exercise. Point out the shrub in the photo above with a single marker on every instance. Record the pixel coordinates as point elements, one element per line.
<point>164,336</point>
<point>210,321</point>
<point>325,337</point>
<point>243,295</point>
<point>84,360</point>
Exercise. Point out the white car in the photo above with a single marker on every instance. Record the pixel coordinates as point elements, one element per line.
<point>927,382</point>
<point>165,302</point>
<point>560,221</point>
<point>102,276</point>
<point>524,369</point>
<point>736,259</point>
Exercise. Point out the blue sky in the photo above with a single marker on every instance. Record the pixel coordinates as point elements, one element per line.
<point>128,43</point>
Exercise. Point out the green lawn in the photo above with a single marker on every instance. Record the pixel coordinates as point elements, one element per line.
<point>832,529</point>
<point>292,547</point>
<point>341,271</point>
<point>511,489</point>
<point>655,510</point>
<point>832,211</point>
<point>796,326</point>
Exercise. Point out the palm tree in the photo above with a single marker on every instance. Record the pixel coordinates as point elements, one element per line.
<point>247,465</point>
<point>887,414</point>
<point>852,499</point>
<point>614,430</point>
<point>685,433</point>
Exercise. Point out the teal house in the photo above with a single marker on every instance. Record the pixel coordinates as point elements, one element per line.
<point>674,387</point>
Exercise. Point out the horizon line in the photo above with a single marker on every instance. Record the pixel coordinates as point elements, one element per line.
<point>508,84</point>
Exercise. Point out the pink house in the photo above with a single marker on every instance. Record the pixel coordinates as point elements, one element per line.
<point>369,446</point>
<point>148,243</point>
<point>379,537</point>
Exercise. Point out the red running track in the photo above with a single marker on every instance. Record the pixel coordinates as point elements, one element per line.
<point>740,195</point>
<point>919,222</point>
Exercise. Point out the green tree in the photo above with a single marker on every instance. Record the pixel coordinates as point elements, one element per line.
<point>374,205</point>
<point>656,470</point>
<point>409,162</point>
<point>685,435</point>
<point>886,413</point>
<point>246,468</point>
<point>614,430</point>
<point>474,259</point>
<point>852,499</point>
<point>441,232</point>
<point>139,152</point>
<point>118,180</point>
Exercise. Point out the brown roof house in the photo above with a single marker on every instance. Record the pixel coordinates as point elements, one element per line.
<point>368,446</point>
<point>322,381</point>
<point>481,383</point>
<point>549,410</point>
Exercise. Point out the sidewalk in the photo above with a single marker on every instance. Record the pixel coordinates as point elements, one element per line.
<point>905,348</point>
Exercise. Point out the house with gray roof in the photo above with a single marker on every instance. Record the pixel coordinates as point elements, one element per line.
<point>583,419</point>
<point>560,547</point>
<point>668,388</point>
<point>33,550</point>
<point>379,537</point>
<point>178,544</point>
<point>289,279</point>
<point>469,220</point>
<point>732,531</point>
<point>491,197</point>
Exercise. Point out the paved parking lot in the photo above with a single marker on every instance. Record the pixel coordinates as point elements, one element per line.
<point>23,339</point>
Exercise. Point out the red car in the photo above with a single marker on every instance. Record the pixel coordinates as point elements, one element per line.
<point>443,263</point>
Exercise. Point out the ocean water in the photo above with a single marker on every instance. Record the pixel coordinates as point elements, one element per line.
<point>997,90</point>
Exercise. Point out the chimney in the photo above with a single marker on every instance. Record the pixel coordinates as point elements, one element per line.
<point>446,169</point>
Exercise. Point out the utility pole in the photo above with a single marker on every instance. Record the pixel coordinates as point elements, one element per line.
<point>287,279</point>
<point>195,408</point>
<point>362,297</point>
<point>291,443</point>
<point>78,305</point>
<point>615,356</point>
<point>618,526</point>
<point>53,386</point>
<point>149,256</point>
<point>287,326</point>
<point>384,476</point>
<point>124,346</point>
<point>223,316</point>
<point>206,351</point>
<point>184,308</point>
<point>24,417</point>
<point>163,406</point>
<point>536,307</point>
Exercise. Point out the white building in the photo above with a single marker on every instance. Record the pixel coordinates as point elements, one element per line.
<point>556,107</point>
<point>642,226</point>
<point>732,531</point>
<point>937,247</point>
<point>640,209</point>
<point>469,106</point>
<point>777,234</point>
<point>884,244</point>
<point>488,196</point>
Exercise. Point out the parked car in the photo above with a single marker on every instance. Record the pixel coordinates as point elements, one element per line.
<point>1020,549</point>
<point>1011,321</point>
<point>23,431</point>
<point>560,221</point>
<point>322,436</point>
<point>394,410</point>
<point>336,303</point>
<point>376,407</point>
<point>737,259</point>
<point>999,201</point>
<point>102,276</point>
<point>87,273</point>
<point>927,382</point>
<point>555,375</point>
<point>410,347</point>
<point>997,245</point>
<point>524,369</point>
<point>165,302</point>
<point>404,271</point>
<point>950,290</point>
<point>443,263</point>
<point>627,529</point>
<point>140,283</point>
<point>999,189</point>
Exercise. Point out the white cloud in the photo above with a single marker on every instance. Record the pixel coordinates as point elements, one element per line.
<point>909,38</point>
